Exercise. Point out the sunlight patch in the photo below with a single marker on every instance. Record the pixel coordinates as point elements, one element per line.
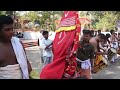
<point>118,66</point>
<point>109,72</point>
<point>35,68</point>
<point>30,61</point>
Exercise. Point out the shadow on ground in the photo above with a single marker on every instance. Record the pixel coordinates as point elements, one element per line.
<point>110,72</point>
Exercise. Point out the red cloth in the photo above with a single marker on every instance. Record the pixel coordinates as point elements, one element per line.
<point>64,44</point>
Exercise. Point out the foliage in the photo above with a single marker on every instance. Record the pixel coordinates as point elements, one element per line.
<point>45,17</point>
<point>2,12</point>
<point>104,20</point>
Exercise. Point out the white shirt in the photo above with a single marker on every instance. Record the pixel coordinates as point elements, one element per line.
<point>43,44</point>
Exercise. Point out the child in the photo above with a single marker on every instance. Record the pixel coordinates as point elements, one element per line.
<point>46,45</point>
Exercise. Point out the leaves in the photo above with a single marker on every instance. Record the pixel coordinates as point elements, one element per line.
<point>45,17</point>
<point>104,20</point>
<point>2,12</point>
<point>100,19</point>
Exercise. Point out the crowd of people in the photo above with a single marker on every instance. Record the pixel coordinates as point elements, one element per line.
<point>95,50</point>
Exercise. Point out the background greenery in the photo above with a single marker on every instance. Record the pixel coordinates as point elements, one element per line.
<point>103,20</point>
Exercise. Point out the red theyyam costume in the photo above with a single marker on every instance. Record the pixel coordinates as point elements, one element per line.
<point>64,46</point>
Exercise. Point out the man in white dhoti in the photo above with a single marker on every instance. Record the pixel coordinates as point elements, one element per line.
<point>13,60</point>
<point>114,44</point>
<point>85,56</point>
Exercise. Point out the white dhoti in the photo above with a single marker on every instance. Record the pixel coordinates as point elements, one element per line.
<point>11,72</point>
<point>86,65</point>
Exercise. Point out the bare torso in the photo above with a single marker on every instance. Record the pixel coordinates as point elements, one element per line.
<point>7,55</point>
<point>93,41</point>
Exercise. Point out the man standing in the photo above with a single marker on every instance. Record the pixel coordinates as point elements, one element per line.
<point>92,33</point>
<point>99,31</point>
<point>13,60</point>
<point>104,47</point>
<point>95,33</point>
<point>85,56</point>
<point>46,45</point>
<point>95,42</point>
<point>114,44</point>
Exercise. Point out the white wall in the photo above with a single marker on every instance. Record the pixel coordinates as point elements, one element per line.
<point>29,35</point>
<point>106,33</point>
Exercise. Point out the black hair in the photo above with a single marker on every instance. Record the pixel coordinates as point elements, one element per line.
<point>44,32</point>
<point>101,35</point>
<point>108,35</point>
<point>41,31</point>
<point>104,36</point>
<point>99,31</point>
<point>111,31</point>
<point>92,31</point>
<point>86,32</point>
<point>5,20</point>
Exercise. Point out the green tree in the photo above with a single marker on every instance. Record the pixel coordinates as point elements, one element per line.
<point>45,17</point>
<point>102,19</point>
<point>30,16</point>
<point>2,12</point>
<point>108,21</point>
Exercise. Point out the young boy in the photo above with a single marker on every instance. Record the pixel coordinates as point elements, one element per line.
<point>46,45</point>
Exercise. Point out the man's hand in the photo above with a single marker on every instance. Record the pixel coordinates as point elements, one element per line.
<point>47,47</point>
